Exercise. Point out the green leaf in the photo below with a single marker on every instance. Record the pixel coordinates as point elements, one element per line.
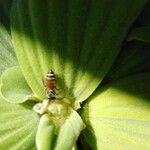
<point>18,126</point>
<point>118,115</point>
<point>14,87</point>
<point>140,34</point>
<point>5,7</point>
<point>141,28</point>
<point>69,132</point>
<point>78,40</point>
<point>144,18</point>
<point>134,58</point>
<point>7,55</point>
<point>45,134</point>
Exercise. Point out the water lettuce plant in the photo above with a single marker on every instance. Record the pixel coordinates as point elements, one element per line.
<point>99,52</point>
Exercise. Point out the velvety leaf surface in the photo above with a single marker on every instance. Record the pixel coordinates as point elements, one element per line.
<point>7,55</point>
<point>133,58</point>
<point>14,87</point>
<point>118,115</point>
<point>134,55</point>
<point>141,28</point>
<point>18,126</point>
<point>144,18</point>
<point>78,40</point>
<point>5,7</point>
<point>141,34</point>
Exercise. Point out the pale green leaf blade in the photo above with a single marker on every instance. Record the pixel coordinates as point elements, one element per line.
<point>78,40</point>
<point>7,54</point>
<point>69,132</point>
<point>106,28</point>
<point>118,115</point>
<point>45,134</point>
<point>14,87</point>
<point>18,126</point>
<point>140,34</point>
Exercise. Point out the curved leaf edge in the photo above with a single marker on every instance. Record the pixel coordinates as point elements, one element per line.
<point>26,98</point>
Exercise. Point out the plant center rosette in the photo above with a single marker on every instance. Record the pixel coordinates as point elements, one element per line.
<point>78,41</point>
<point>58,116</point>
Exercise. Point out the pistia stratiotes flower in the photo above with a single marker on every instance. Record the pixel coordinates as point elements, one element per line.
<point>100,97</point>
